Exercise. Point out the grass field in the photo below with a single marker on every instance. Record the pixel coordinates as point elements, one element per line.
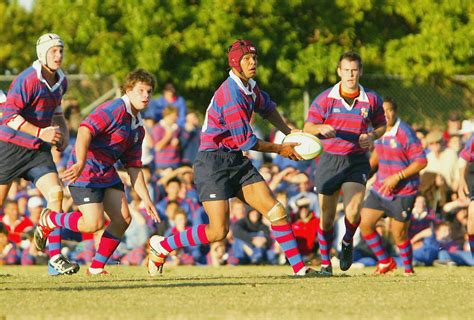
<point>236,293</point>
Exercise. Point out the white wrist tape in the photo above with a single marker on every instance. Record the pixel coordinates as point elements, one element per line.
<point>16,122</point>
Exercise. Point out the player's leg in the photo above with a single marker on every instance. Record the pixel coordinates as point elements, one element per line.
<point>4,188</point>
<point>328,204</point>
<point>216,230</point>
<point>116,207</point>
<point>470,224</point>
<point>352,195</point>
<point>260,197</point>
<point>400,235</point>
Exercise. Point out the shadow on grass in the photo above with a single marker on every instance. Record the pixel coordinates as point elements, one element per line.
<point>138,286</point>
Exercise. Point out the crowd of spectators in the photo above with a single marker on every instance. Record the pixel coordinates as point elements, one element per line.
<point>437,231</point>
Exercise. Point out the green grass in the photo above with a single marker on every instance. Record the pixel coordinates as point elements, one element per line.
<point>236,293</point>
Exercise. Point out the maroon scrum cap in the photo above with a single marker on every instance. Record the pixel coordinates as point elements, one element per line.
<point>237,50</point>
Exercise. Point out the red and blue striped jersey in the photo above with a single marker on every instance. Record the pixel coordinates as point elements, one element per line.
<point>396,150</point>
<point>348,121</point>
<point>116,135</point>
<point>467,153</point>
<point>169,156</point>
<point>227,121</point>
<point>31,97</point>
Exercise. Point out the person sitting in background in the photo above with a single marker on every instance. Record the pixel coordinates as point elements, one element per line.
<point>185,255</point>
<point>428,243</point>
<point>169,97</point>
<point>252,239</point>
<point>35,206</point>
<point>8,249</point>
<point>166,140</point>
<point>173,189</point>
<point>305,229</point>
<point>441,160</point>
<point>453,126</point>
<point>15,224</point>
<point>422,217</point>
<point>190,137</point>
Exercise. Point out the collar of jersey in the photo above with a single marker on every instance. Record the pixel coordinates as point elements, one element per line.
<point>241,85</point>
<point>394,130</point>
<point>334,93</point>
<point>136,121</point>
<point>37,67</point>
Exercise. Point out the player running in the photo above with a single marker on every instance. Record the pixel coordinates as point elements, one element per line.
<point>341,115</point>
<point>466,185</point>
<point>223,172</point>
<point>400,157</point>
<point>32,122</point>
<point>113,132</point>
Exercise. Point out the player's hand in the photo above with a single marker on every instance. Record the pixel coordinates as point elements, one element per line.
<point>295,130</point>
<point>72,173</point>
<point>287,150</point>
<point>463,189</point>
<point>366,141</point>
<point>151,211</point>
<point>51,135</point>
<point>389,184</point>
<point>327,131</point>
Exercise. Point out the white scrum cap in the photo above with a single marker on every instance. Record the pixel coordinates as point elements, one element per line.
<point>46,42</point>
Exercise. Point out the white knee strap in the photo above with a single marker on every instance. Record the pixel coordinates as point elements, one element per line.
<point>277,213</point>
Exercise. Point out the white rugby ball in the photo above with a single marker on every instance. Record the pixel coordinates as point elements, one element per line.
<point>310,146</point>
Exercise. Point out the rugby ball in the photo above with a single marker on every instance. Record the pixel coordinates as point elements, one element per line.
<point>310,147</point>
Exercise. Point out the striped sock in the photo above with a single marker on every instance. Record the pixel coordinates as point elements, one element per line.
<point>406,252</point>
<point>375,243</point>
<point>325,239</point>
<point>471,243</point>
<point>108,244</point>
<point>66,220</point>
<point>350,230</point>
<point>285,238</point>
<point>54,242</point>
<point>189,237</point>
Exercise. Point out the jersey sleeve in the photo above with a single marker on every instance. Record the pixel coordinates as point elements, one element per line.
<point>237,122</point>
<point>414,149</point>
<point>317,111</point>
<point>378,115</point>
<point>99,121</point>
<point>263,104</point>
<point>467,153</point>
<point>17,98</point>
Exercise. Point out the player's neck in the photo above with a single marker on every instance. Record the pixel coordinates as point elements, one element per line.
<point>49,75</point>
<point>244,79</point>
<point>349,92</point>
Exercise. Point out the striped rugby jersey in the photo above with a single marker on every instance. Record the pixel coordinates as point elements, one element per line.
<point>396,150</point>
<point>116,135</point>
<point>31,97</point>
<point>467,152</point>
<point>169,156</point>
<point>227,121</point>
<point>348,121</point>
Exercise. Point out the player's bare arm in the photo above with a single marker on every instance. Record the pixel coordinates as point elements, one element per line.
<point>60,121</point>
<point>139,185</point>
<point>366,140</point>
<point>324,130</point>
<point>286,150</point>
<point>391,181</point>
<point>463,189</point>
<point>51,134</point>
<point>275,119</point>
<point>84,138</point>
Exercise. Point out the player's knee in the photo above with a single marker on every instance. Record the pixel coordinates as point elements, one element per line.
<point>217,233</point>
<point>55,196</point>
<point>93,225</point>
<point>277,213</point>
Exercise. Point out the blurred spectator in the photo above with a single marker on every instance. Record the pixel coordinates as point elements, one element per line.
<point>453,126</point>
<point>252,241</point>
<point>434,189</point>
<point>14,223</point>
<point>166,140</point>
<point>173,188</point>
<point>190,138</point>
<point>186,255</point>
<point>35,206</point>
<point>305,229</point>
<point>218,255</point>
<point>442,160</point>
<point>8,249</point>
<point>305,192</point>
<point>169,97</point>
<point>422,217</point>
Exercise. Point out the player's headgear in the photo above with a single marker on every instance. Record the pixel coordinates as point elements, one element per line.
<point>237,50</point>
<point>46,42</point>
